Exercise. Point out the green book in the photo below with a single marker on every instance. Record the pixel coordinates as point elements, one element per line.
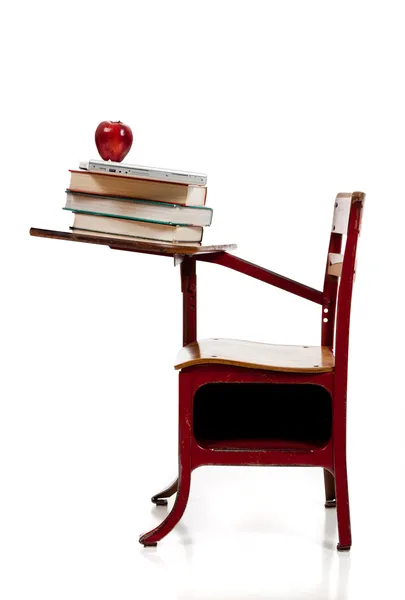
<point>138,210</point>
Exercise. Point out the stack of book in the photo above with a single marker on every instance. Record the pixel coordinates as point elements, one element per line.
<point>128,207</point>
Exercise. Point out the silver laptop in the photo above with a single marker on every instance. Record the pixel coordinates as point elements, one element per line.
<point>144,172</point>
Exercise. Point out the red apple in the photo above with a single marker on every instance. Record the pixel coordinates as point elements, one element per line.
<point>113,140</point>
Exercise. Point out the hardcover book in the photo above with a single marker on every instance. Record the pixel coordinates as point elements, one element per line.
<point>113,227</point>
<point>139,210</point>
<point>105,184</point>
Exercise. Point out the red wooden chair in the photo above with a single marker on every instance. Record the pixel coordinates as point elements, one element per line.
<point>243,403</point>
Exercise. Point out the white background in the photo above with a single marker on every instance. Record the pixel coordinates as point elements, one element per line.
<point>283,104</point>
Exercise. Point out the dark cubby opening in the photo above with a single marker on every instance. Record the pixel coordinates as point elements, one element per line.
<point>268,415</point>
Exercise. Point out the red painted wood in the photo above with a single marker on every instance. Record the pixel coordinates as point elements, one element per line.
<point>257,444</point>
<point>253,458</point>
<point>252,270</point>
<point>160,499</point>
<point>155,535</point>
<point>330,289</point>
<point>332,457</point>
<point>341,370</point>
<point>227,374</point>
<point>189,290</point>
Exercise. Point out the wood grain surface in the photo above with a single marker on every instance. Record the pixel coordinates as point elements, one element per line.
<point>131,246</point>
<point>255,355</point>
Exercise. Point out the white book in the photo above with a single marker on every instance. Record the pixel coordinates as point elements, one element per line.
<point>117,227</point>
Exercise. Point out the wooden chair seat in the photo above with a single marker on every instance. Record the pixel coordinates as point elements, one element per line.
<point>255,355</point>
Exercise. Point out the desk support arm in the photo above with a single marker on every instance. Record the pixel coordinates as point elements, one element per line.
<point>189,290</point>
<point>252,270</point>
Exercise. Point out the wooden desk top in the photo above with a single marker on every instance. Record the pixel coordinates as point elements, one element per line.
<point>132,246</point>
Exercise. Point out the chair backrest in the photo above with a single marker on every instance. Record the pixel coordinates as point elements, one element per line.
<point>339,275</point>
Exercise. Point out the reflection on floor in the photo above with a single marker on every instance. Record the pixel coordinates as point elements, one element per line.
<point>246,535</point>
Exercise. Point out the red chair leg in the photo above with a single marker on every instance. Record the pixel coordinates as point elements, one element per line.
<point>153,537</point>
<point>342,506</point>
<point>183,489</point>
<point>330,493</point>
<point>160,498</point>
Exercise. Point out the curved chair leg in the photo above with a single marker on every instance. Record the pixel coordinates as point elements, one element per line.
<point>343,509</point>
<point>330,492</point>
<point>186,390</point>
<point>153,537</point>
<point>160,498</point>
